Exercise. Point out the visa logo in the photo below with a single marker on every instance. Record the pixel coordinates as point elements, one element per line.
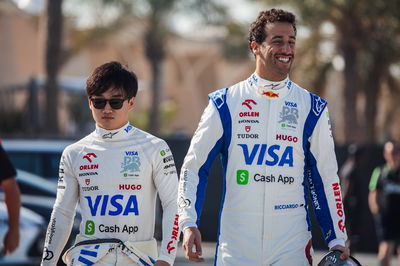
<point>131,153</point>
<point>290,104</point>
<point>112,205</point>
<point>270,156</point>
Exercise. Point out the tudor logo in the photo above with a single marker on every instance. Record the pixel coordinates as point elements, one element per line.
<point>88,155</point>
<point>247,128</point>
<point>87,181</point>
<point>248,103</point>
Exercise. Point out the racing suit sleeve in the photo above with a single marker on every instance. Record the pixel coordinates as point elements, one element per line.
<point>63,214</point>
<point>325,183</point>
<point>166,182</point>
<point>204,147</point>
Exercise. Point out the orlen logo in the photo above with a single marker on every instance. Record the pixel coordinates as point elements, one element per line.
<point>249,114</point>
<point>285,137</point>
<point>174,236</point>
<point>272,155</point>
<point>339,205</point>
<point>112,205</point>
<point>88,155</point>
<point>248,103</point>
<point>89,167</point>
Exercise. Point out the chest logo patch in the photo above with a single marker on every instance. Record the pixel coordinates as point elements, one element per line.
<point>131,162</point>
<point>289,115</point>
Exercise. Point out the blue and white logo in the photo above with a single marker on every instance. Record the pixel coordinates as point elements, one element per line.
<point>272,155</point>
<point>115,205</point>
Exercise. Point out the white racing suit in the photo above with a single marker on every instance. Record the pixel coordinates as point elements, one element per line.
<point>276,151</point>
<point>114,177</point>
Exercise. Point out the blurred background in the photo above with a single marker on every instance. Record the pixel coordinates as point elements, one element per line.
<point>347,52</point>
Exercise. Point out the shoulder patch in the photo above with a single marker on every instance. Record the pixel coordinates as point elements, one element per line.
<point>318,104</point>
<point>218,97</point>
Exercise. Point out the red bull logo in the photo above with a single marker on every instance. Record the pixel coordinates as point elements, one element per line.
<point>271,94</point>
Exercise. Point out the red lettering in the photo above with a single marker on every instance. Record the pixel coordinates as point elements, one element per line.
<point>336,186</point>
<point>175,233</point>
<point>129,187</point>
<point>169,247</point>
<point>341,225</point>
<point>89,167</point>
<point>285,137</point>
<point>338,199</point>
<point>253,114</point>
<point>174,236</point>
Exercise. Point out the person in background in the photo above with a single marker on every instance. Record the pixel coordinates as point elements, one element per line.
<point>9,185</point>
<point>353,181</point>
<point>276,149</point>
<point>114,174</point>
<point>384,202</point>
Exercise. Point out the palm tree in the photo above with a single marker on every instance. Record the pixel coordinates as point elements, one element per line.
<point>54,25</point>
<point>366,39</point>
<point>157,16</point>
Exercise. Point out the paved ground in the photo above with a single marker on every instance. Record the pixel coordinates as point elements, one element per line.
<point>209,251</point>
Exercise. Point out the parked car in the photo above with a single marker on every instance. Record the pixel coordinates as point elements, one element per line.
<point>32,235</point>
<point>41,157</point>
<point>38,195</point>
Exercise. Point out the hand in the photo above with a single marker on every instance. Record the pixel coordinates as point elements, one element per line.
<point>161,263</point>
<point>11,241</point>
<point>192,237</point>
<point>345,251</point>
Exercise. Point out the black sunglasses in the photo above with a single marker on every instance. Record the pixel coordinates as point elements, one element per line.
<point>100,103</point>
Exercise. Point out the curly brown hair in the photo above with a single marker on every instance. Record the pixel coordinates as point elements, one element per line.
<point>257,31</point>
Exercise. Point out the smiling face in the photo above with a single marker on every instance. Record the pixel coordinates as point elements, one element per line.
<point>107,117</point>
<point>275,55</point>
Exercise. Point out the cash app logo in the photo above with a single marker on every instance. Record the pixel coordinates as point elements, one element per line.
<point>242,177</point>
<point>89,227</point>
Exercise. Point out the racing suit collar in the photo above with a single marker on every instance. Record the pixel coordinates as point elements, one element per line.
<point>115,134</point>
<point>270,89</point>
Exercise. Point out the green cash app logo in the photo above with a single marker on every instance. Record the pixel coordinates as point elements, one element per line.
<point>242,177</point>
<point>162,152</point>
<point>89,227</point>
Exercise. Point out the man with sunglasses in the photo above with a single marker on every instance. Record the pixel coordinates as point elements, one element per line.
<point>114,175</point>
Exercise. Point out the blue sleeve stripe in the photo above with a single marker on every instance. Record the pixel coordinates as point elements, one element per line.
<point>221,147</point>
<point>313,179</point>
